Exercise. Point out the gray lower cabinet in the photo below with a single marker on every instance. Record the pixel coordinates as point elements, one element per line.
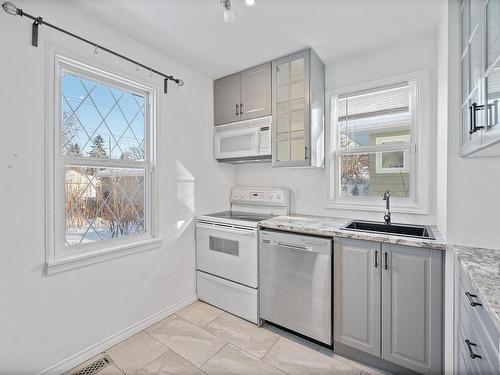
<point>227,99</point>
<point>243,96</point>
<point>477,339</point>
<point>412,307</point>
<point>388,302</point>
<point>357,294</point>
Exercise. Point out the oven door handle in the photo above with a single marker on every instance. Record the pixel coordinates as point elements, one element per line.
<point>220,228</point>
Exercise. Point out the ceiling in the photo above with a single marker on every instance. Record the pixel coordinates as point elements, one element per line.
<point>193,31</point>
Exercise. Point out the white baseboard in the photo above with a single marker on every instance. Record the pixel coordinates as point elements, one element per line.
<point>93,350</point>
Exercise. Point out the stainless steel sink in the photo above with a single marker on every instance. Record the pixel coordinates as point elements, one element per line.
<point>406,230</point>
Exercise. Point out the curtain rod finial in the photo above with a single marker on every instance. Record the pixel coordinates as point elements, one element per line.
<point>11,8</point>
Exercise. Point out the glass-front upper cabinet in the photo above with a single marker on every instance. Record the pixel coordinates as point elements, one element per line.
<point>291,111</point>
<point>492,75</point>
<point>472,72</point>
<point>298,96</point>
<point>480,75</point>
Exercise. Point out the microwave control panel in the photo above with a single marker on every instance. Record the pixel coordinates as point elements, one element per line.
<point>265,140</point>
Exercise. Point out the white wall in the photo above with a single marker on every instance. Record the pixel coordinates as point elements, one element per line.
<point>45,319</point>
<point>442,181</point>
<point>442,122</point>
<point>310,186</point>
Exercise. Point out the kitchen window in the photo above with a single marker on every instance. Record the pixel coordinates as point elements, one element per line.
<point>375,145</point>
<point>102,175</point>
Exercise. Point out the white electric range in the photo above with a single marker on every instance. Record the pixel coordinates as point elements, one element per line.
<point>227,249</point>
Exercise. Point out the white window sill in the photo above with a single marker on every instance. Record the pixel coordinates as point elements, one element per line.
<point>80,260</point>
<point>378,207</point>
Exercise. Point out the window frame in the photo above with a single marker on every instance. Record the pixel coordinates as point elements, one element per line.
<point>60,257</point>
<point>406,156</point>
<point>418,151</point>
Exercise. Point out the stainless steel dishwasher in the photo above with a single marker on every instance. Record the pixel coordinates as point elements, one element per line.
<point>295,273</point>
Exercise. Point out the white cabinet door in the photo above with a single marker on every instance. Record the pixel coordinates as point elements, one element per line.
<point>411,307</point>
<point>357,294</point>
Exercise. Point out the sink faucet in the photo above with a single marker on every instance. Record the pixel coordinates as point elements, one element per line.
<point>387,216</point>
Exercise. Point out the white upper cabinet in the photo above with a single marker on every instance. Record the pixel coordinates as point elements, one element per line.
<point>480,75</point>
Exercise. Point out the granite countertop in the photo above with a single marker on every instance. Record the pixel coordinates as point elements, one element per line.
<point>483,268</point>
<point>332,227</point>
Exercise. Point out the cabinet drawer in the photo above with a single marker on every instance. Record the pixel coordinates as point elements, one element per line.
<point>232,297</point>
<point>472,329</point>
<point>478,313</point>
<point>466,365</point>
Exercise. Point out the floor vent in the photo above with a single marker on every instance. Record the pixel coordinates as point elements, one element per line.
<point>94,367</point>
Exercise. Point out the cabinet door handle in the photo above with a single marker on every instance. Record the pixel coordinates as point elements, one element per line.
<point>237,110</point>
<point>241,108</point>
<point>305,153</point>
<point>385,256</point>
<point>471,120</point>
<point>471,351</point>
<point>376,258</point>
<point>473,117</point>
<point>471,299</point>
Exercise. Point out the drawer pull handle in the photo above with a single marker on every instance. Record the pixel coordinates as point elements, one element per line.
<point>472,302</point>
<point>471,352</point>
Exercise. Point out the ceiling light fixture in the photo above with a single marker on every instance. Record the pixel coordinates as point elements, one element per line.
<point>228,11</point>
<point>250,3</point>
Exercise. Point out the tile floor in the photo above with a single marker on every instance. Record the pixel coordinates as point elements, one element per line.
<point>202,339</point>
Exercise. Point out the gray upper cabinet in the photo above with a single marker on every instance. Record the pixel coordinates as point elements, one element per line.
<point>357,294</point>
<point>388,302</point>
<point>298,101</point>
<point>243,96</point>
<point>256,92</point>
<point>227,99</point>
<point>412,307</point>
<point>480,77</point>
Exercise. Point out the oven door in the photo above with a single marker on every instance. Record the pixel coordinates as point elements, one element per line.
<point>227,251</point>
<point>236,143</point>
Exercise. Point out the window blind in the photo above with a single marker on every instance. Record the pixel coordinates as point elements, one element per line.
<point>385,101</point>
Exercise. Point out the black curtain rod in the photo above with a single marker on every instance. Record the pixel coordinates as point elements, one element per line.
<point>12,9</point>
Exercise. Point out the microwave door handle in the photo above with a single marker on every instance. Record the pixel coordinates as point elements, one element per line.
<point>257,141</point>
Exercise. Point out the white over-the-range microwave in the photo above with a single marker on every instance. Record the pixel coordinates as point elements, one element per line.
<point>244,141</point>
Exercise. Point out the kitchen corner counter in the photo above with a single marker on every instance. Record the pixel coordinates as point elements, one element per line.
<point>483,268</point>
<point>332,227</point>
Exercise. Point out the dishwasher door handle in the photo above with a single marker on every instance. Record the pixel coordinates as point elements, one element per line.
<point>288,245</point>
<point>293,246</point>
